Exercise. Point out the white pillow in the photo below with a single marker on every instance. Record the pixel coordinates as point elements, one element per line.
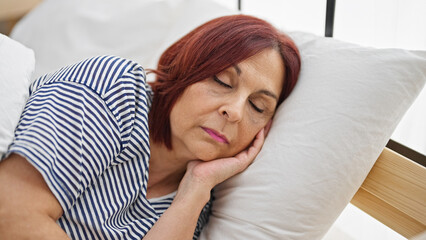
<point>325,138</point>
<point>16,68</point>
<point>62,32</point>
<point>189,14</point>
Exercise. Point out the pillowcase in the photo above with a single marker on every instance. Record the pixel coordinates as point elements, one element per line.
<point>189,14</point>
<point>63,32</point>
<point>324,140</point>
<point>16,68</point>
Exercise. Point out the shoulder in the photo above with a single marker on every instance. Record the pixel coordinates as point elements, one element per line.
<point>98,73</point>
<point>117,84</point>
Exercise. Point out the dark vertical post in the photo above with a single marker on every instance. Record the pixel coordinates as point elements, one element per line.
<point>329,18</point>
<point>239,5</point>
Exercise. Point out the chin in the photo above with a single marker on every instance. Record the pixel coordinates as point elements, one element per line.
<point>208,150</point>
<point>206,157</point>
<point>207,154</point>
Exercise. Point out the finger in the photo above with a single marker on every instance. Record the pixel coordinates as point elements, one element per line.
<point>246,157</point>
<point>268,127</point>
<point>257,144</point>
<point>260,138</point>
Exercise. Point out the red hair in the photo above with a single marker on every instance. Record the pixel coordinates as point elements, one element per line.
<point>208,50</point>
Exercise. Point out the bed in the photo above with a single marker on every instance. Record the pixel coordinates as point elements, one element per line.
<point>336,146</point>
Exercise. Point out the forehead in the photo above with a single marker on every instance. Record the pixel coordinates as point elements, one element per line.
<point>264,70</point>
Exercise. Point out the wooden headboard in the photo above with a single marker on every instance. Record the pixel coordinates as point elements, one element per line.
<point>12,10</point>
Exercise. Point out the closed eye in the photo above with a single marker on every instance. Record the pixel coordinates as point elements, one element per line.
<point>257,109</point>
<point>216,79</point>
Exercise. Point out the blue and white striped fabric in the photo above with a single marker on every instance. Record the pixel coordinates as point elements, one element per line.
<point>85,129</point>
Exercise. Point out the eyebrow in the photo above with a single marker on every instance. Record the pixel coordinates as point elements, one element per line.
<point>237,69</point>
<point>266,92</point>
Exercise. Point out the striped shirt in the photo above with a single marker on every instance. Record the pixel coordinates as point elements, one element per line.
<point>85,129</point>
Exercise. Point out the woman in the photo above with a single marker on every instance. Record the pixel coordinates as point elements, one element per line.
<point>83,164</point>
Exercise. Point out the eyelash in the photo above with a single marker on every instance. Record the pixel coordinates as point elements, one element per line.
<point>220,82</point>
<point>216,79</point>
<point>256,108</point>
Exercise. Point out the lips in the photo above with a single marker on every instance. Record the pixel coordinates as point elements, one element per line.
<point>215,135</point>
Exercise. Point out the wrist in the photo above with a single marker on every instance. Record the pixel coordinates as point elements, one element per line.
<point>192,192</point>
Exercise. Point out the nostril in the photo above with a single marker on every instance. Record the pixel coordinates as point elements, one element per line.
<point>224,113</point>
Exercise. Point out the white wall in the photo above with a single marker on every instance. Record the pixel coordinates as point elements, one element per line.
<point>382,23</point>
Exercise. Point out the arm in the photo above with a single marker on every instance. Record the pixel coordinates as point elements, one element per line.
<point>69,137</point>
<point>179,221</point>
<point>28,209</point>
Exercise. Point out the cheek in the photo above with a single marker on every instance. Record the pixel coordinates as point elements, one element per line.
<point>245,137</point>
<point>177,114</point>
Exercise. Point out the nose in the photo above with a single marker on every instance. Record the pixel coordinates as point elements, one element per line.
<point>232,109</point>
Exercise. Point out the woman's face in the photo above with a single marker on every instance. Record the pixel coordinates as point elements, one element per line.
<point>220,116</point>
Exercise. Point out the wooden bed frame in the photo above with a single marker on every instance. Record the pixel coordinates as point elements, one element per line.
<point>394,192</point>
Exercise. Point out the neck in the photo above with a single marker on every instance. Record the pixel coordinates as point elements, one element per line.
<point>166,169</point>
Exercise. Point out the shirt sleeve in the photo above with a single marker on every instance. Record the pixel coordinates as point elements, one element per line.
<point>69,134</point>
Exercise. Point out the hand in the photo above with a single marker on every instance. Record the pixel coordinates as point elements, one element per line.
<point>203,176</point>
<point>194,190</point>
